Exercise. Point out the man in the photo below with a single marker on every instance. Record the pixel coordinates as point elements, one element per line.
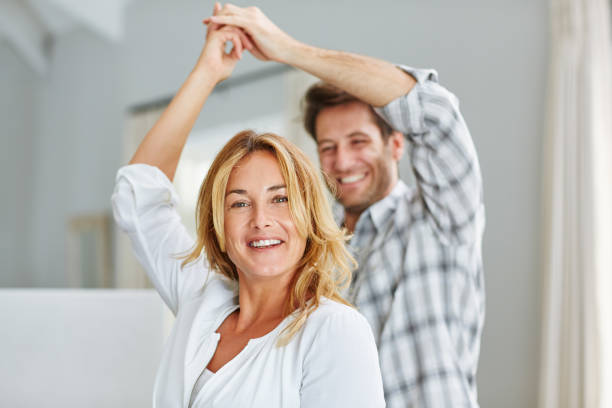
<point>419,281</point>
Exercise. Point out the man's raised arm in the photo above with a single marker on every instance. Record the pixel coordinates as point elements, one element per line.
<point>374,81</point>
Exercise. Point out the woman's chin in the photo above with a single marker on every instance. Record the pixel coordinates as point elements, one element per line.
<point>265,274</point>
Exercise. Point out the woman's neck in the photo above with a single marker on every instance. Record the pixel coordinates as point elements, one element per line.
<point>261,302</point>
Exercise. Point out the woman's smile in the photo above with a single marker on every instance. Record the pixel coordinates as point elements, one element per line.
<point>265,243</point>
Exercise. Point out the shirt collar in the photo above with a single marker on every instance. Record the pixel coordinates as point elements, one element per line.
<point>380,210</point>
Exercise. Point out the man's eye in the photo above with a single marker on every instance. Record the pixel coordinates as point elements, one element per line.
<point>326,149</point>
<point>280,199</point>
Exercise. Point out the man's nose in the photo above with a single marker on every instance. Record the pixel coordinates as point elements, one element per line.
<point>343,160</point>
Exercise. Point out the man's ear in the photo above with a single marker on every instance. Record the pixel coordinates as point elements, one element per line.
<point>396,143</point>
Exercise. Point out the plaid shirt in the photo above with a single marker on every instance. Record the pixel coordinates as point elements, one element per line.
<point>420,280</point>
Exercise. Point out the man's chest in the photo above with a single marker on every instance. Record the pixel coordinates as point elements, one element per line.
<point>378,275</point>
<point>390,259</point>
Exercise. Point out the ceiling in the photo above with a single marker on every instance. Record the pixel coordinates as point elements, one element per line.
<point>30,25</point>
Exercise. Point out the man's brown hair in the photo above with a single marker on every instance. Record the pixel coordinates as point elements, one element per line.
<point>322,95</point>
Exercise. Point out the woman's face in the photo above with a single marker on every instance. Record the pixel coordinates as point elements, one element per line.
<point>261,238</point>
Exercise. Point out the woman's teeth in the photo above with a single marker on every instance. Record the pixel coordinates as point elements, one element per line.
<point>352,179</point>
<point>263,243</point>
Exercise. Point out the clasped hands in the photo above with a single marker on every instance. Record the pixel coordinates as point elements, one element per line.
<point>247,29</point>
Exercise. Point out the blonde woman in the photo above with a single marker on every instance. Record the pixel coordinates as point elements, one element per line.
<point>259,318</point>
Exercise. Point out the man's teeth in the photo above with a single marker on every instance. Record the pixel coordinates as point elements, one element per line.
<point>352,179</point>
<point>264,243</point>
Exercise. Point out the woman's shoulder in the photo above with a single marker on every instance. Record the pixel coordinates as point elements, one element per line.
<point>330,307</point>
<point>336,319</point>
<point>216,291</point>
<point>340,361</point>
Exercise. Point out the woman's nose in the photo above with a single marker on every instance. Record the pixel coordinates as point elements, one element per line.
<point>261,217</point>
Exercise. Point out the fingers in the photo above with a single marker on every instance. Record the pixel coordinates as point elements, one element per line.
<point>244,38</point>
<point>234,20</point>
<point>230,14</point>
<point>258,54</point>
<point>227,9</point>
<point>216,10</point>
<point>212,26</point>
<point>231,10</point>
<point>246,41</point>
<point>246,20</point>
<point>233,35</point>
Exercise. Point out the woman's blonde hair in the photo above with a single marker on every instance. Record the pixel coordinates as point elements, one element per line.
<point>325,267</point>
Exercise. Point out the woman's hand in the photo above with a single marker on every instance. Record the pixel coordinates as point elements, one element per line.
<point>214,58</point>
<point>164,142</point>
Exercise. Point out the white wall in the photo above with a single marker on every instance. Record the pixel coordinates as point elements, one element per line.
<point>492,54</point>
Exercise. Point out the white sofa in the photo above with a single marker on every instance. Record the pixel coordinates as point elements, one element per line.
<point>80,348</point>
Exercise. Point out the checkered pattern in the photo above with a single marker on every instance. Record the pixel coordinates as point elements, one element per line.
<point>420,280</point>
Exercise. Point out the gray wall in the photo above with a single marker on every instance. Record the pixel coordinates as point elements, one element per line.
<point>18,116</point>
<point>493,55</point>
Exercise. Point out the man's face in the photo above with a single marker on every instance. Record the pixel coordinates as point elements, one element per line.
<point>353,153</point>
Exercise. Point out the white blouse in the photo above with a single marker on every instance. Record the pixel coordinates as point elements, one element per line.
<point>202,379</point>
<point>331,362</point>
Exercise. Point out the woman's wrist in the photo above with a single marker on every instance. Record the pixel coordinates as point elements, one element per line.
<point>204,76</point>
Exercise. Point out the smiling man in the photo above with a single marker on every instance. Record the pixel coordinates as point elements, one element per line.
<point>419,281</point>
<point>357,149</point>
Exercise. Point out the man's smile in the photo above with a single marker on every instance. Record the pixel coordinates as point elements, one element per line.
<point>352,179</point>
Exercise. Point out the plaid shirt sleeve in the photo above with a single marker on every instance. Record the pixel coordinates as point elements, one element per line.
<point>443,156</point>
<point>430,340</point>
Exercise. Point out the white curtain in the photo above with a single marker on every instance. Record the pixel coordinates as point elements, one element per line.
<point>576,343</point>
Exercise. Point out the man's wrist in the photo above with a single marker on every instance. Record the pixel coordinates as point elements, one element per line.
<point>294,53</point>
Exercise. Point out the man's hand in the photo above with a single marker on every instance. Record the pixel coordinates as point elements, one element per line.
<point>270,42</point>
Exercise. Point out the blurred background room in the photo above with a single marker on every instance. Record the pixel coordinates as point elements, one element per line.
<point>82,82</point>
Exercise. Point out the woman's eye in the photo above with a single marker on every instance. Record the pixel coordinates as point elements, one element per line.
<point>280,199</point>
<point>239,204</point>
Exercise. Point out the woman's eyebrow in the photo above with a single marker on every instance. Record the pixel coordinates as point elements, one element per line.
<point>236,191</point>
<point>277,187</point>
<point>244,192</point>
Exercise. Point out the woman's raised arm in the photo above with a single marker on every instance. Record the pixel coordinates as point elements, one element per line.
<point>163,144</point>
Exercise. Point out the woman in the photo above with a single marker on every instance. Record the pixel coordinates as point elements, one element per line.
<point>262,324</point>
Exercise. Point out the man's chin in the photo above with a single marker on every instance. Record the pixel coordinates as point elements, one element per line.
<point>354,205</point>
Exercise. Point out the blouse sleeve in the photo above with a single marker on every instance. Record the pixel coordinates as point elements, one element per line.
<point>144,206</point>
<point>341,368</point>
